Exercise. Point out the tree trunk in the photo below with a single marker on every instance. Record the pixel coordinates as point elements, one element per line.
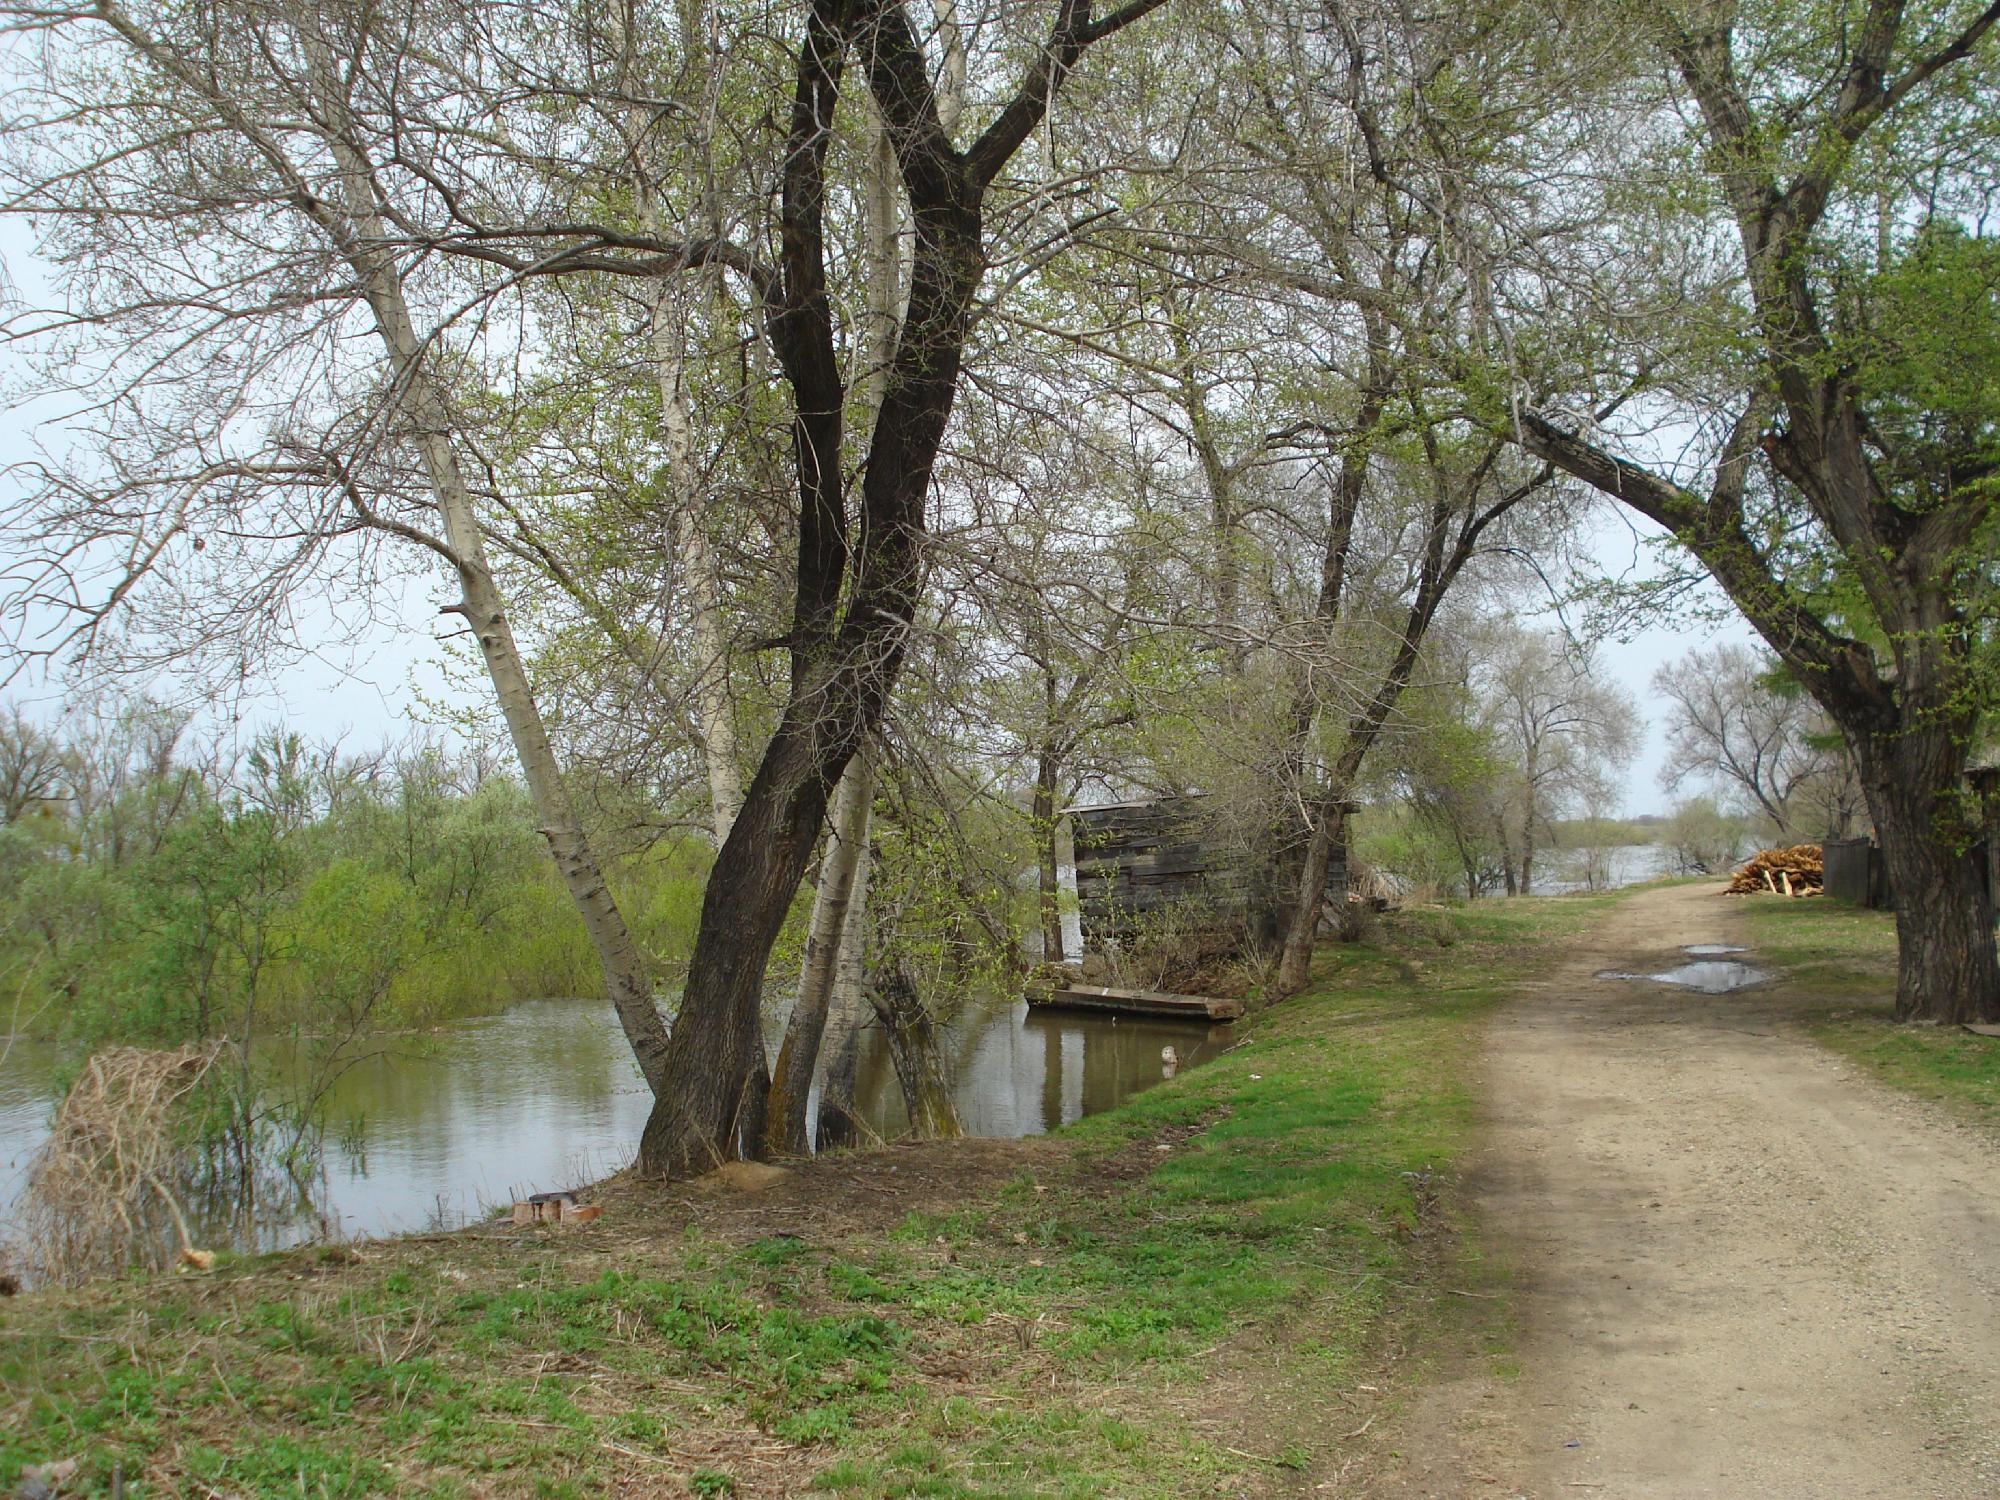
<point>1947,971</point>
<point>839,1125</point>
<point>1295,960</point>
<point>787,1124</point>
<point>715,714</point>
<point>913,1048</point>
<point>427,406</point>
<point>1045,821</point>
<point>618,956</point>
<point>711,1108</point>
<point>1530,808</point>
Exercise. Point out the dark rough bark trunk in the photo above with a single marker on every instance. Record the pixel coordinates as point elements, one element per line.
<point>844,660</point>
<point>1295,961</point>
<point>1044,815</point>
<point>1947,970</point>
<point>712,1108</point>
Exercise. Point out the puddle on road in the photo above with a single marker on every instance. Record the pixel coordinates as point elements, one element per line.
<point>1711,950</point>
<point>1710,976</point>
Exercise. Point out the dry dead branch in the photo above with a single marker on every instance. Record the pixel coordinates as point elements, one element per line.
<point>100,1192</point>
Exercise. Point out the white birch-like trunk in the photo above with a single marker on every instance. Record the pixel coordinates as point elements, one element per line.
<point>714,712</point>
<point>424,402</point>
<point>846,1011</point>
<point>788,1119</point>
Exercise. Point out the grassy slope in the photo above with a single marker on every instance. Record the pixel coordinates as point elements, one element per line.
<point>1106,1312</point>
<point>1845,956</point>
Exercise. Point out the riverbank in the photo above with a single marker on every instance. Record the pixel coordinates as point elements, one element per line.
<point>1205,1291</point>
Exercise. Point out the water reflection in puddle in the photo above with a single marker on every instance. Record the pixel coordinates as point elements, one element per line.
<point>1710,950</point>
<point>1708,976</point>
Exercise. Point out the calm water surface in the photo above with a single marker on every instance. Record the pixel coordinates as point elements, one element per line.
<point>439,1129</point>
<point>1561,872</point>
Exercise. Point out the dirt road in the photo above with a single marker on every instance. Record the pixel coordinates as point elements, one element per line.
<point>1739,1268</point>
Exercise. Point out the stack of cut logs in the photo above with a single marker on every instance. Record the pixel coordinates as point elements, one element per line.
<point>1797,871</point>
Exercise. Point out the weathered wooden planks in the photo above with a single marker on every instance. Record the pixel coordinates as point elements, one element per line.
<point>1137,861</point>
<point>1138,1002</point>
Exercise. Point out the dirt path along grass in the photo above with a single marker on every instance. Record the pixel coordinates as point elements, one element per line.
<point>1741,1267</point>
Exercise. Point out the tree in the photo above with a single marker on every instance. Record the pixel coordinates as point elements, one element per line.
<point>1703,839</point>
<point>857,591</point>
<point>32,772</point>
<point>1452,771</point>
<point>1849,507</point>
<point>1734,717</point>
<point>239,191</point>
<point>1565,734</point>
<point>1398,260</point>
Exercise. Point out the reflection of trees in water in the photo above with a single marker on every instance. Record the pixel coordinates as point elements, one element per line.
<point>545,1094</point>
<point>532,1056</point>
<point>1020,1071</point>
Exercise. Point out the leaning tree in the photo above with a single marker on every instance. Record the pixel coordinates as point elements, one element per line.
<point>277,383</point>
<point>859,580</point>
<point>1849,507</point>
<point>245,193</point>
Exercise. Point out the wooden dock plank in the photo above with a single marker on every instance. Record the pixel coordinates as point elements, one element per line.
<point>1138,1002</point>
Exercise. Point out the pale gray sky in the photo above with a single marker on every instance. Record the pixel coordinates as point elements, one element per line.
<point>1618,542</point>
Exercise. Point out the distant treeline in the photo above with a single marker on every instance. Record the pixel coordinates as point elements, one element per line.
<point>155,890</point>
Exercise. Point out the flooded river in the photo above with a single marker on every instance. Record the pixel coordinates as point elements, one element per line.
<point>438,1129</point>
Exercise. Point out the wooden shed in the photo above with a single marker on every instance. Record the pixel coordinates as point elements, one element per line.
<point>1855,871</point>
<point>1135,860</point>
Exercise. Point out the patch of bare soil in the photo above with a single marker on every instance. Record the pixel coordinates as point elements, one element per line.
<point>835,1197</point>
<point>1739,1268</point>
